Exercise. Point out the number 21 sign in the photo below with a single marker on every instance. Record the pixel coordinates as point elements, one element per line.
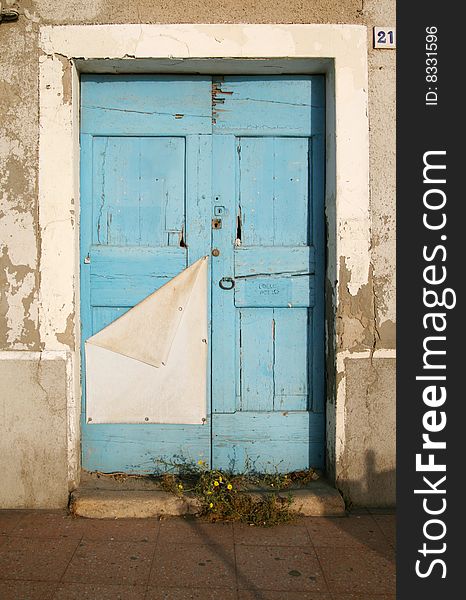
<point>384,37</point>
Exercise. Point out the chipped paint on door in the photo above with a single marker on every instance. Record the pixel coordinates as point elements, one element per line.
<point>163,159</point>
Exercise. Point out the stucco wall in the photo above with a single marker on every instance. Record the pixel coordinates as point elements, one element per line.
<point>33,430</point>
<point>365,320</point>
<point>368,475</point>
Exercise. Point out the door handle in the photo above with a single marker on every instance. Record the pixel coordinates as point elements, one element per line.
<point>227,283</point>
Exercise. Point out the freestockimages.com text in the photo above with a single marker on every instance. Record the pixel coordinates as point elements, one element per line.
<point>437,299</point>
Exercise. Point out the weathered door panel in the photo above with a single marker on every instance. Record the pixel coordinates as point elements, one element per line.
<point>142,163</point>
<point>268,245</point>
<point>138,195</point>
<point>283,105</point>
<point>145,105</point>
<point>267,441</point>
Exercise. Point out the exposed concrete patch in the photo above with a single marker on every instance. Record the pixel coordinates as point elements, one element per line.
<point>18,236</point>
<point>66,79</point>
<point>18,185</point>
<point>67,336</point>
<point>30,336</point>
<point>355,318</point>
<point>387,334</point>
<point>17,293</point>
<point>15,178</point>
<point>20,271</point>
<point>72,11</point>
<point>377,11</point>
<point>28,12</point>
<point>318,500</point>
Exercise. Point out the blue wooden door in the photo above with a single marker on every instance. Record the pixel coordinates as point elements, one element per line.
<point>171,168</point>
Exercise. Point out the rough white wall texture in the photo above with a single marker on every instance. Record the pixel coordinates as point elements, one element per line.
<point>33,430</point>
<point>368,476</point>
<point>19,275</point>
<point>366,314</point>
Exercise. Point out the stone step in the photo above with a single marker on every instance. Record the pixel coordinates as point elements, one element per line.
<point>113,501</point>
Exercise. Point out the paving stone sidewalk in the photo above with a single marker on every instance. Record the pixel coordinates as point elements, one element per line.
<point>48,555</point>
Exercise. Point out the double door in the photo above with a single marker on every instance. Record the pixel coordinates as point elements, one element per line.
<point>174,168</point>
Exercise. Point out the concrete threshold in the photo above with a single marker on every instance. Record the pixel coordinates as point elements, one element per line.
<point>120,496</point>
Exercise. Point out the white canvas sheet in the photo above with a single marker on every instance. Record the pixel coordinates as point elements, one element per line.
<point>150,365</point>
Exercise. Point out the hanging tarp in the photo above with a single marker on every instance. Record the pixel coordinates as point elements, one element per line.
<point>150,365</point>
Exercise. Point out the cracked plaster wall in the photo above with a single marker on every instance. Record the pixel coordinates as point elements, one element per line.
<point>370,419</point>
<point>365,319</point>
<point>33,433</point>
<point>19,272</point>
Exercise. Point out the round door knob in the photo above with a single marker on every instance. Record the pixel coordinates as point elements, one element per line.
<point>215,252</point>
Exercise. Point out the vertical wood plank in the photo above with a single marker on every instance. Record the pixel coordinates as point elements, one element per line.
<point>98,197</point>
<point>291,359</point>
<point>256,190</point>
<point>290,191</point>
<point>224,334</point>
<point>120,190</point>
<point>274,191</point>
<point>257,359</point>
<point>162,185</point>
<point>198,196</point>
<point>317,314</point>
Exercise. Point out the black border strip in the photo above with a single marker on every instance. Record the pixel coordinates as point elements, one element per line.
<point>429,131</point>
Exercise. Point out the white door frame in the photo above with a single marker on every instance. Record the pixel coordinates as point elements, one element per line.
<point>339,51</point>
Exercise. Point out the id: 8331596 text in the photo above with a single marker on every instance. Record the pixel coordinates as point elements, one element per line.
<point>431,66</point>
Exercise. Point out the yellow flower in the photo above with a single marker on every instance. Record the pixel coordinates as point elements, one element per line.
<point>200,462</point>
<point>216,482</point>
<point>211,505</point>
<point>180,486</point>
<point>209,492</point>
<point>220,479</point>
<point>229,486</point>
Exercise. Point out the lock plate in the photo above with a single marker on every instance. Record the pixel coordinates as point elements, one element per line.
<point>216,223</point>
<point>219,210</point>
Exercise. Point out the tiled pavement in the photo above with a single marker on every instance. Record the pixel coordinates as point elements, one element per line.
<point>50,555</point>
